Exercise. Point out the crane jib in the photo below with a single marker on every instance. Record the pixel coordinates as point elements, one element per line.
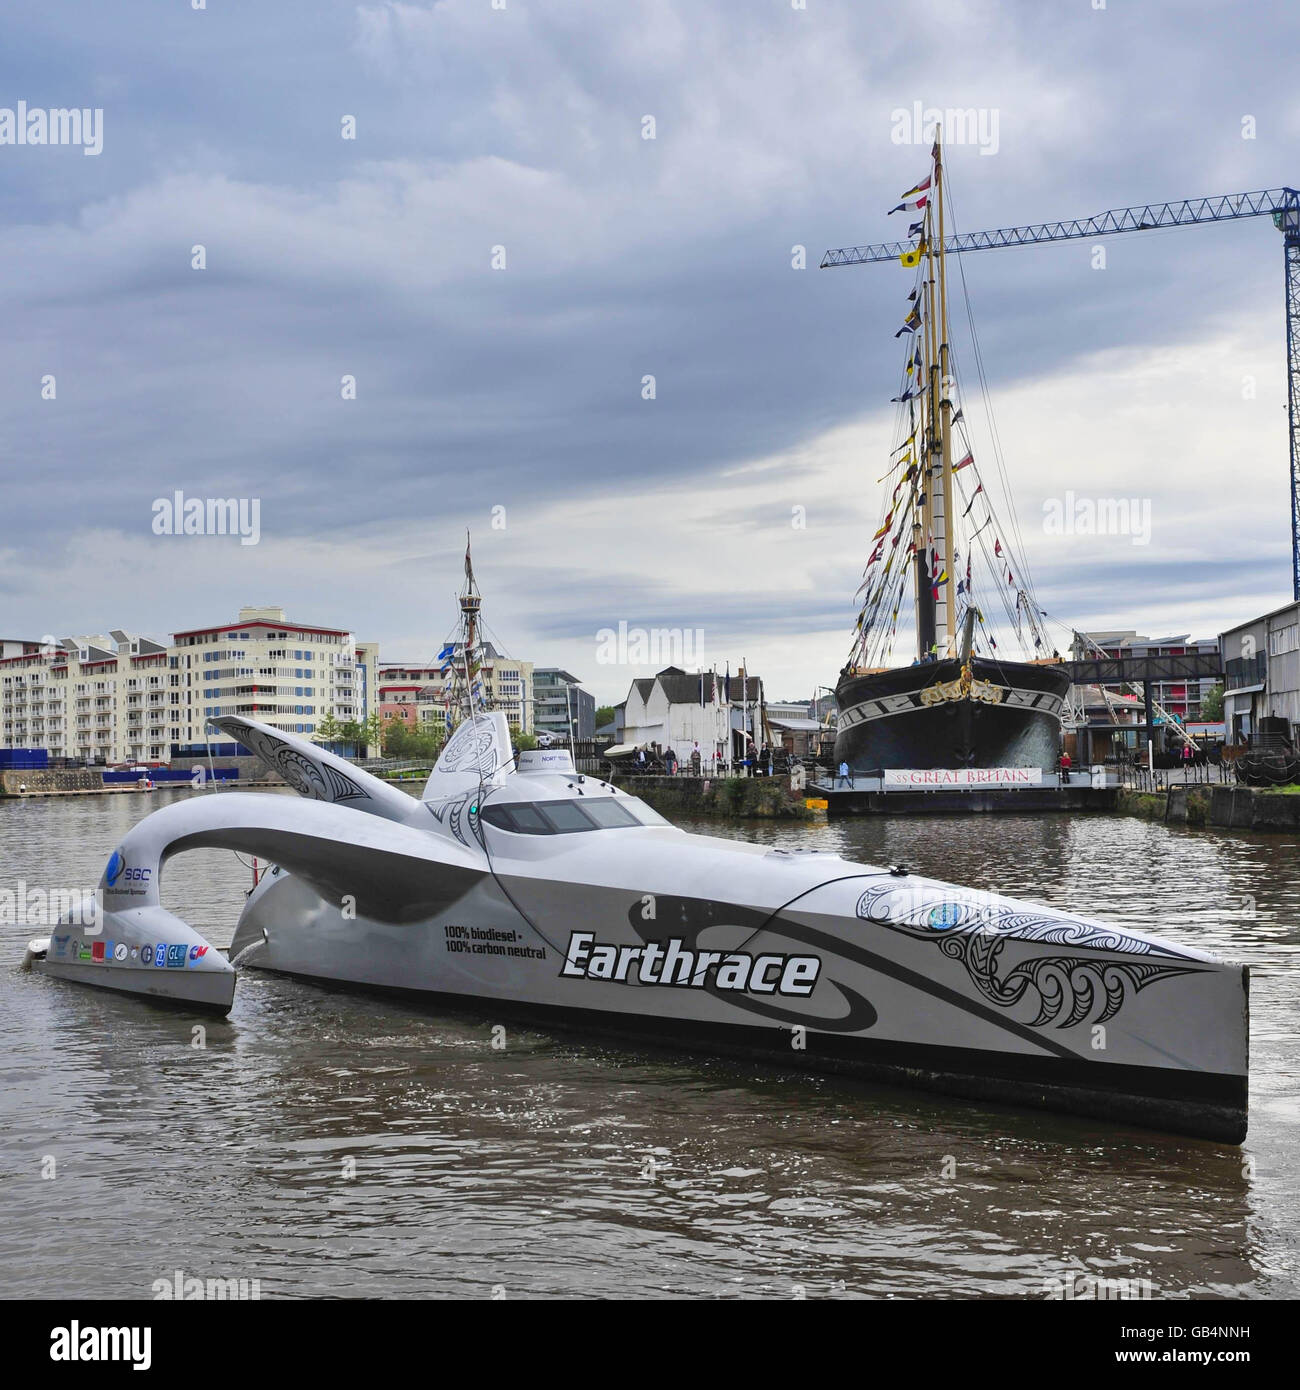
<point>1275,202</point>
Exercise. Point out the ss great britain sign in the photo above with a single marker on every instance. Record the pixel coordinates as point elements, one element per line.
<point>929,778</point>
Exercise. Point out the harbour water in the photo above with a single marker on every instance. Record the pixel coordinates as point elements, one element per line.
<point>329,1144</point>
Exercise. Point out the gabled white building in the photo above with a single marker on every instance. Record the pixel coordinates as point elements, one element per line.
<point>684,709</point>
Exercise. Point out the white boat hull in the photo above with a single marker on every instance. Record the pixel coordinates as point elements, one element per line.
<point>680,940</point>
<point>1094,1021</point>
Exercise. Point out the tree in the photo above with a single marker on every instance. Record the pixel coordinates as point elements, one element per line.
<point>521,741</point>
<point>329,730</point>
<point>373,733</point>
<point>604,715</point>
<point>427,741</point>
<point>1212,704</point>
<point>395,737</point>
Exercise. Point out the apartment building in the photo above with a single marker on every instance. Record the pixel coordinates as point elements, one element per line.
<point>282,673</point>
<point>415,693</point>
<point>561,706</point>
<point>18,646</point>
<point>97,699</point>
<point>126,698</point>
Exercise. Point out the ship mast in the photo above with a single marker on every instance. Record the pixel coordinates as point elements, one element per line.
<point>923,525</point>
<point>935,601</point>
<point>943,406</point>
<point>471,602</point>
<point>937,513</point>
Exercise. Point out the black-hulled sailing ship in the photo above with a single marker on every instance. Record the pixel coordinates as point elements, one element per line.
<point>961,703</point>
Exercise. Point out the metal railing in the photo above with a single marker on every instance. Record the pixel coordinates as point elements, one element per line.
<point>1194,773</point>
<point>654,766</point>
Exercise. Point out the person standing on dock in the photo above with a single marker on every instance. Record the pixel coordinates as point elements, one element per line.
<point>843,775</point>
<point>695,761</point>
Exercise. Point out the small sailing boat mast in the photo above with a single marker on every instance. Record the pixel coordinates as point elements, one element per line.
<point>471,601</point>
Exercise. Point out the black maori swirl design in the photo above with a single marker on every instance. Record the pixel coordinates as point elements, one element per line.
<point>452,814</point>
<point>974,929</point>
<point>472,748</point>
<point>307,777</point>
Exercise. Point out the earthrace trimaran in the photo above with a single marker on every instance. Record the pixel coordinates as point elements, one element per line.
<point>529,891</point>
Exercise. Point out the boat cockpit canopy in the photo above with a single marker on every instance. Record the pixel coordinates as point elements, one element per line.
<point>567,817</point>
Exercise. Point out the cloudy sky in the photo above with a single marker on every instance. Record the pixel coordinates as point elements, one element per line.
<point>514,395</point>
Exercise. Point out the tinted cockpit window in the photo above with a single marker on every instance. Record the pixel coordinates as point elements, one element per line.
<point>565,815</point>
<point>528,821</point>
<point>607,813</point>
